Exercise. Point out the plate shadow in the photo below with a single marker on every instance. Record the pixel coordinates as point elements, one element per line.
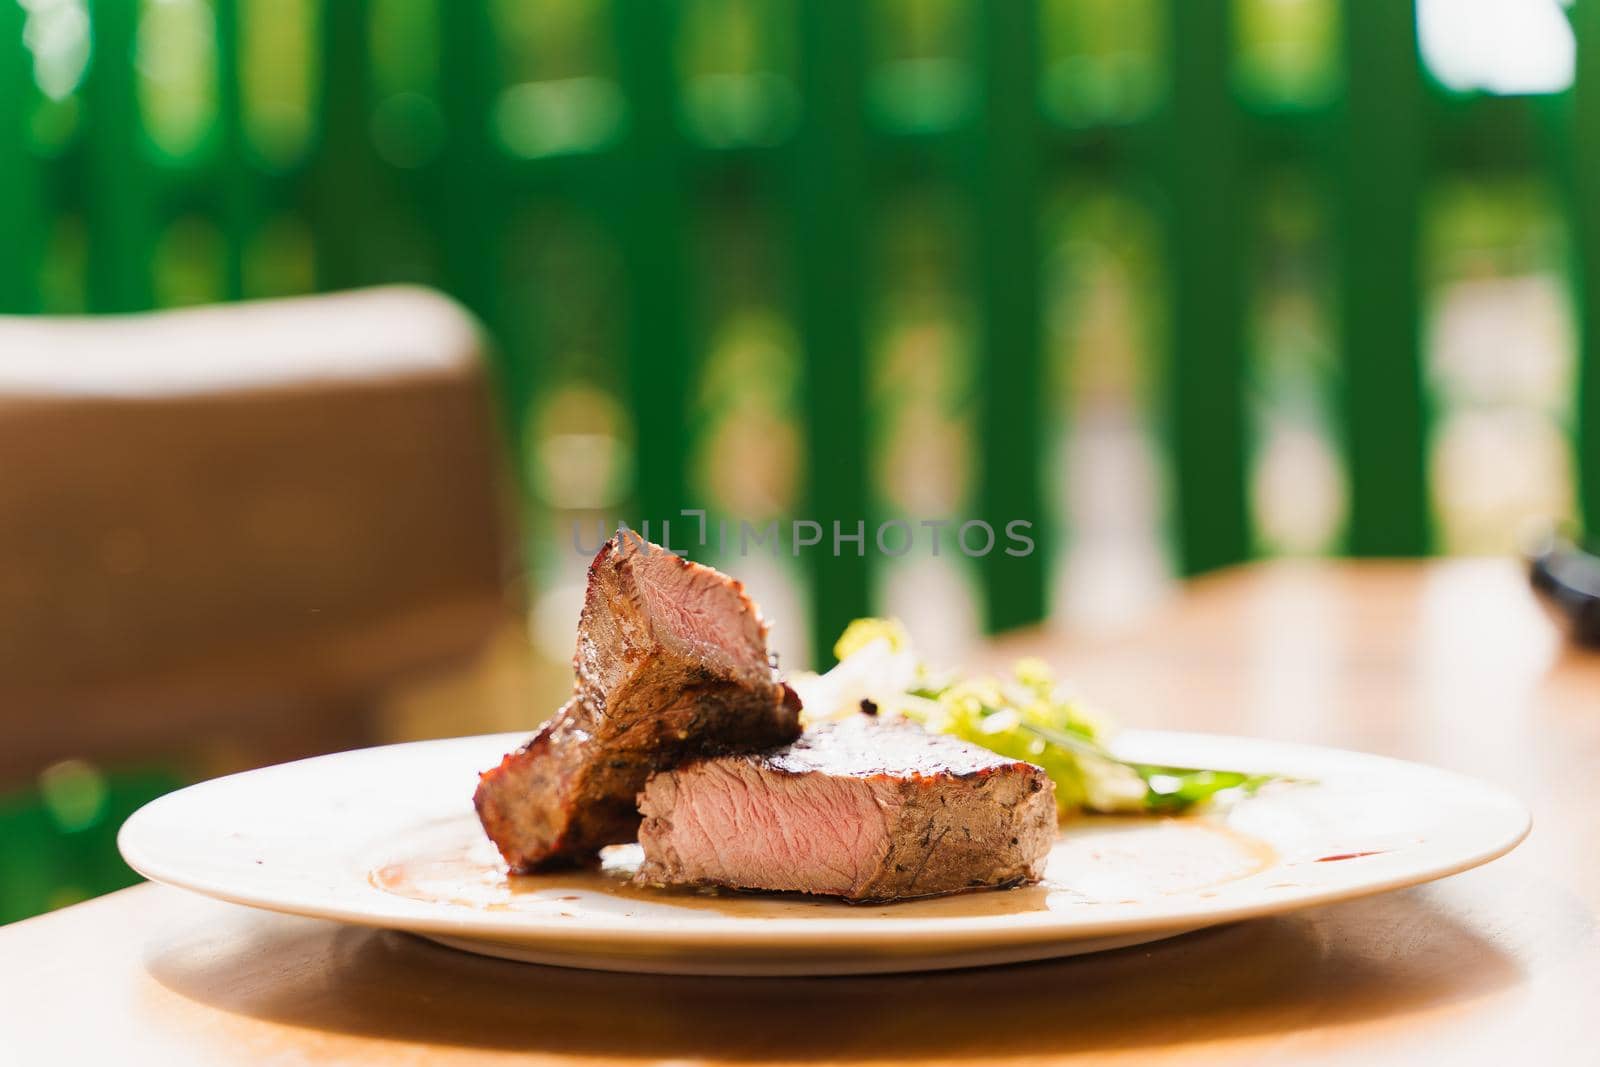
<point>1368,959</point>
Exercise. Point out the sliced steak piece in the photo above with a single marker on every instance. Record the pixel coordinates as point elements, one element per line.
<point>671,663</point>
<point>866,809</point>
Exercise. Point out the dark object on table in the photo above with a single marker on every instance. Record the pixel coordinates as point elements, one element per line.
<point>867,809</point>
<point>1567,577</point>
<point>671,664</point>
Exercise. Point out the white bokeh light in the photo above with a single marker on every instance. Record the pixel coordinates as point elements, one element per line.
<point>1508,47</point>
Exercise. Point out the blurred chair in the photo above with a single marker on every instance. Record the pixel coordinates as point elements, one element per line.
<point>231,528</point>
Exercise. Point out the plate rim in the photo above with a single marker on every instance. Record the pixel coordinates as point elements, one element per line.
<point>910,934</point>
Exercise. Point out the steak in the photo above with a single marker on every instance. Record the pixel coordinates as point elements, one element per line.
<point>671,664</point>
<point>865,809</point>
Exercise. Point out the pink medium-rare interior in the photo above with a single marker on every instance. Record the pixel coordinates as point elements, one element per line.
<point>700,611</point>
<point>754,829</point>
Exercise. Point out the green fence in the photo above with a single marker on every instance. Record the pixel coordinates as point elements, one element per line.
<point>58,844</point>
<point>419,174</point>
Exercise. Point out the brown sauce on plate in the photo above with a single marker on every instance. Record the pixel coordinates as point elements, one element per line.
<point>1098,861</point>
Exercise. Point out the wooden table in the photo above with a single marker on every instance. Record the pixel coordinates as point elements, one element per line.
<point>1449,663</point>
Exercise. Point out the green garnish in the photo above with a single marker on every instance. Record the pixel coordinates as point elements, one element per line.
<point>1025,717</point>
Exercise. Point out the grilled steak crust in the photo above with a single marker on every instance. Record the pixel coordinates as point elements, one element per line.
<point>671,663</point>
<point>864,809</point>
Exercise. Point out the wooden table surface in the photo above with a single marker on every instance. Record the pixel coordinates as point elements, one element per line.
<point>1449,663</point>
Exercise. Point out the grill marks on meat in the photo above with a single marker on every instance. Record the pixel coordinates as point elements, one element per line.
<point>671,664</point>
<point>864,809</point>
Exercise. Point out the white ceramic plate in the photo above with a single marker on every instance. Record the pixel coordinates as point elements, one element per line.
<point>386,837</point>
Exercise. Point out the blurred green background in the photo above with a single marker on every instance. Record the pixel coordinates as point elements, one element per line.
<point>1182,282</point>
